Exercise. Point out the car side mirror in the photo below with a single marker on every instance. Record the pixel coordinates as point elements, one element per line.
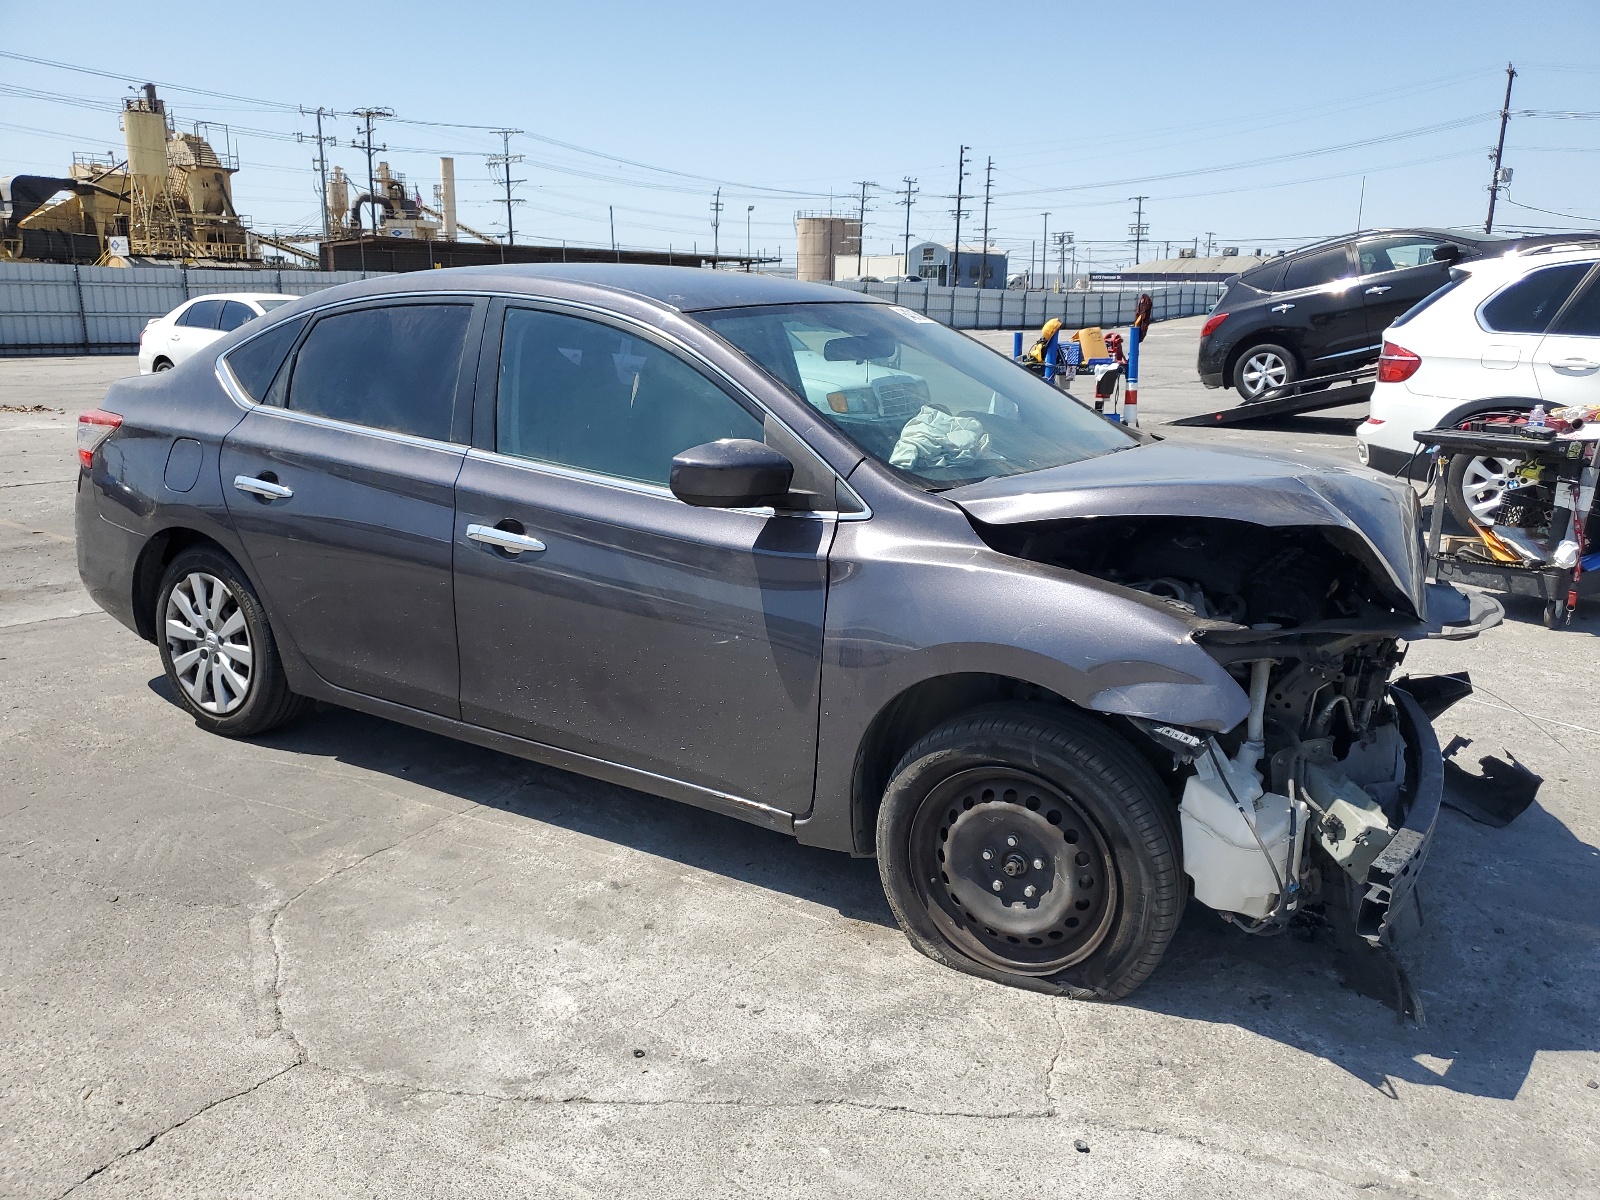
<point>731,473</point>
<point>1449,252</point>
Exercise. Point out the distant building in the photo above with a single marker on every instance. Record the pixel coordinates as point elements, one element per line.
<point>932,261</point>
<point>1184,269</point>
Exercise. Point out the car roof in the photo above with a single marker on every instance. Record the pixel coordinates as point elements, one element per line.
<point>687,289</point>
<point>242,296</point>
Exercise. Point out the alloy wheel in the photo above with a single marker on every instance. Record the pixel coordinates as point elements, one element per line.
<point>1013,871</point>
<point>208,640</point>
<point>1483,485</point>
<point>1263,371</point>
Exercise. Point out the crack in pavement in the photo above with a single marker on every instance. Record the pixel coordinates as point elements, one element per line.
<point>161,1133</point>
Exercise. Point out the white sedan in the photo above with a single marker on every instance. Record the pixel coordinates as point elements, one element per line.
<point>195,324</point>
<point>1505,335</point>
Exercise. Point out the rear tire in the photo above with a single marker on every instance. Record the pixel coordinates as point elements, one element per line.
<point>1475,487</point>
<point>161,364</point>
<point>1034,847</point>
<point>1263,369</point>
<point>218,649</point>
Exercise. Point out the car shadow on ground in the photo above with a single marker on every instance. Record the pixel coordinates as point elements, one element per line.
<point>1504,959</point>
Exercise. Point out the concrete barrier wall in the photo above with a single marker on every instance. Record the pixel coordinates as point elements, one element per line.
<point>52,308</point>
<point>974,308</point>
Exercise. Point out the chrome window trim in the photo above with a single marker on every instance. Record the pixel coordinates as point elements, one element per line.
<point>241,398</point>
<point>390,435</point>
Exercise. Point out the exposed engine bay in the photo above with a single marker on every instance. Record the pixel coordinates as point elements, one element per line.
<point>1307,811</point>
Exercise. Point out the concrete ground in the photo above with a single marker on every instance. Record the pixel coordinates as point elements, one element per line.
<point>354,960</point>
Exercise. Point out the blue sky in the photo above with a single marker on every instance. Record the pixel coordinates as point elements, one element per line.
<point>1229,116</point>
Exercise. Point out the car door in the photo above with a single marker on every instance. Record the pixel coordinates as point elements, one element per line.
<point>1515,319</point>
<point>1319,299</point>
<point>599,614</point>
<point>1397,271</point>
<point>1566,362</point>
<point>194,330</point>
<point>342,489</point>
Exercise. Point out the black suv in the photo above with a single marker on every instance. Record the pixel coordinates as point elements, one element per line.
<point>1324,308</point>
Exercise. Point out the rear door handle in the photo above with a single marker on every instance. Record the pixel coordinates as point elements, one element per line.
<point>262,487</point>
<point>1282,307</point>
<point>1574,364</point>
<point>1377,291</point>
<point>512,543</point>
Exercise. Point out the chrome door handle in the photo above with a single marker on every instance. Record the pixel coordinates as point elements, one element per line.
<point>262,487</point>
<point>512,543</point>
<point>1282,307</point>
<point>1377,291</point>
<point>1574,364</point>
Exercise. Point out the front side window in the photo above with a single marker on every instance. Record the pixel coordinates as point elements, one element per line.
<point>234,315</point>
<point>930,402</point>
<point>577,393</point>
<point>202,314</point>
<point>1397,253</point>
<point>1315,270</point>
<point>1530,304</point>
<point>390,368</point>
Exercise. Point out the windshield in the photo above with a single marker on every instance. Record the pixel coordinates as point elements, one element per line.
<point>932,403</point>
<point>267,306</point>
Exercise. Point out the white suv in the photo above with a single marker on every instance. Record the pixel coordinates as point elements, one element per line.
<point>195,324</point>
<point>1503,335</point>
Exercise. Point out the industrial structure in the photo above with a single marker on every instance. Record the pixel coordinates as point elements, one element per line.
<point>170,199</point>
<point>822,240</point>
<point>933,262</point>
<point>170,202</point>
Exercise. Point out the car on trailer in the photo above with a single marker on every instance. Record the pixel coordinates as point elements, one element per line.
<point>1322,309</point>
<point>811,560</point>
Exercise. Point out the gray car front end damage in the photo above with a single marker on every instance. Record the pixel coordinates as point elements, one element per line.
<point>1245,614</point>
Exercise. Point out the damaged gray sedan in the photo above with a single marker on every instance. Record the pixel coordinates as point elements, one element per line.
<point>812,561</point>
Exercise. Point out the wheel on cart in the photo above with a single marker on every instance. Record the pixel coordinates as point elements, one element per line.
<point>1555,614</point>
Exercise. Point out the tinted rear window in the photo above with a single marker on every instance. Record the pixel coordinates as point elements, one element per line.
<point>255,364</point>
<point>1432,297</point>
<point>1582,319</point>
<point>234,315</point>
<point>201,315</point>
<point>1314,270</point>
<point>390,368</point>
<point>1529,305</point>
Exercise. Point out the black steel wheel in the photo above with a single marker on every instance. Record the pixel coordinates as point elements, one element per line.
<point>1035,847</point>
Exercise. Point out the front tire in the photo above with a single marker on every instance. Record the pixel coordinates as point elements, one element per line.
<point>1034,847</point>
<point>1262,370</point>
<point>218,649</point>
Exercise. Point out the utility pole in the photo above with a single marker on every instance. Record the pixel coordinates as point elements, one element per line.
<point>1502,176</point>
<point>1063,240</point>
<point>322,166</point>
<point>861,222</point>
<point>1138,228</point>
<point>988,185</point>
<point>961,177</point>
<point>748,209</point>
<point>367,115</point>
<point>910,192</point>
<point>1209,235</point>
<point>612,213</point>
<point>505,159</point>
<point>716,227</point>
<point>1044,254</point>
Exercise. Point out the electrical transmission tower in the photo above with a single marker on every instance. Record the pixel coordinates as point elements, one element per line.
<point>506,160</point>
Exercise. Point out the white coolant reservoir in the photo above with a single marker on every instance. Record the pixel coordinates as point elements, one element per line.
<point>1220,853</point>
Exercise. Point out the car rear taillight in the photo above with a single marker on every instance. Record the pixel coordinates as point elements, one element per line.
<point>1396,364</point>
<point>1211,324</point>
<point>94,427</point>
